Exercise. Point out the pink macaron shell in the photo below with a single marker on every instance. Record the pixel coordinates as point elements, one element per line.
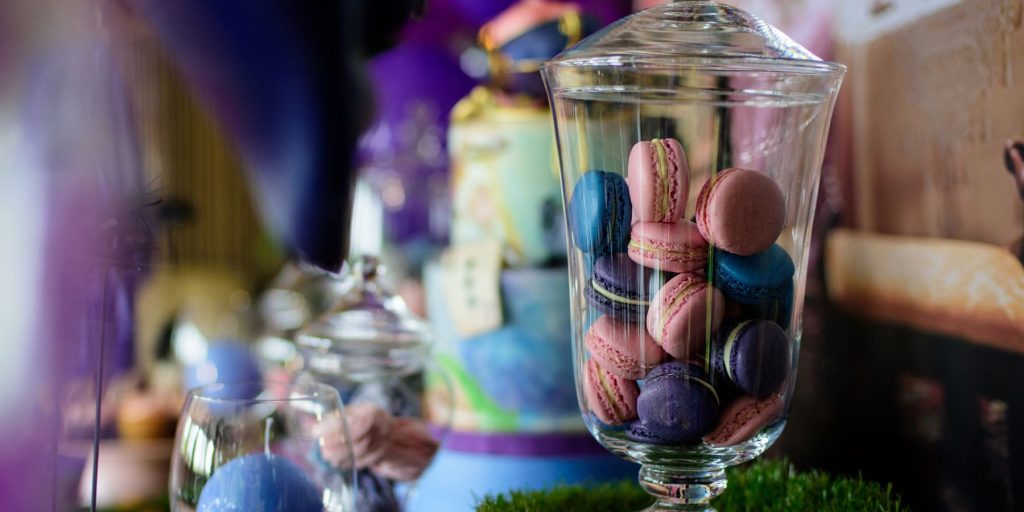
<point>647,187</point>
<point>678,316</point>
<point>743,418</point>
<point>622,348</point>
<point>741,211</point>
<point>610,397</point>
<point>668,246</point>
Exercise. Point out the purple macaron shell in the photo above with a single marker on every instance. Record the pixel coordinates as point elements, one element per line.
<point>637,431</point>
<point>759,359</point>
<point>677,404</point>
<point>621,276</point>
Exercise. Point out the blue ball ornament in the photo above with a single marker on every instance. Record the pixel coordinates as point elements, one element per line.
<point>260,483</point>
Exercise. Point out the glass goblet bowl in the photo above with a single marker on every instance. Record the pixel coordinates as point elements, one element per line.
<point>259,447</point>
<point>690,137</point>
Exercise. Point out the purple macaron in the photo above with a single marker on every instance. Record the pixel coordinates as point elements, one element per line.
<point>752,354</point>
<point>677,405</point>
<point>621,288</point>
<point>636,431</point>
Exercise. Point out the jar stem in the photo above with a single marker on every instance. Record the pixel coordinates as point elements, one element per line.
<point>682,490</point>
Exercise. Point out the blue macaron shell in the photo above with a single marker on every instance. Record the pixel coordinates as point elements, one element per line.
<point>756,279</point>
<point>600,213</point>
<point>777,310</point>
<point>759,359</point>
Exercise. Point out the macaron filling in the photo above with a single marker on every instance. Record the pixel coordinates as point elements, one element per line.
<point>730,341</point>
<point>616,297</point>
<point>688,376</point>
<point>668,253</point>
<point>675,304</point>
<point>609,394</point>
<point>705,383</point>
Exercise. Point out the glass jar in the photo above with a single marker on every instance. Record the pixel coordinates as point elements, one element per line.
<point>691,137</point>
<point>375,352</point>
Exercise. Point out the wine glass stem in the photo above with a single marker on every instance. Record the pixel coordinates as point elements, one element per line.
<point>682,490</point>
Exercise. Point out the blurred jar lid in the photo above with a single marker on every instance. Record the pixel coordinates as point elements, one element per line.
<point>368,333</point>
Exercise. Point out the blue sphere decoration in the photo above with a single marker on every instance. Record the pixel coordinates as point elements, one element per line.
<point>260,483</point>
<point>227,362</point>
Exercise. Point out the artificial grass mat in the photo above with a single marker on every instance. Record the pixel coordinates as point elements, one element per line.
<point>765,485</point>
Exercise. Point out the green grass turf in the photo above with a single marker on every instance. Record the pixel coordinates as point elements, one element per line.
<point>765,485</point>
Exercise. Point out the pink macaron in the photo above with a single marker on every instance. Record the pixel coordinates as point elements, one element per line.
<point>622,348</point>
<point>611,398</point>
<point>741,211</point>
<point>410,448</point>
<point>744,418</point>
<point>679,319</point>
<point>367,429</point>
<point>669,246</point>
<point>658,180</point>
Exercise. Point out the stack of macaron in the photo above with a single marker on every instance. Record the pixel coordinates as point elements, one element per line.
<point>689,344</point>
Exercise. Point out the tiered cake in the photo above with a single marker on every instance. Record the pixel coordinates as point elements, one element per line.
<point>498,298</point>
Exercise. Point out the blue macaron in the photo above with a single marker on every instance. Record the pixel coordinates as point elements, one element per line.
<point>758,279</point>
<point>778,310</point>
<point>600,213</point>
<point>621,288</point>
<point>754,355</point>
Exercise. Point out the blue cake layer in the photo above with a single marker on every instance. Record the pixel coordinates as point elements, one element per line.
<point>518,377</point>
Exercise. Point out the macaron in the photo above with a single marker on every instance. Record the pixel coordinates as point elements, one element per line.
<point>410,449</point>
<point>759,279</point>
<point>669,246</point>
<point>743,418</point>
<point>611,398</point>
<point>741,211</point>
<point>600,212</point>
<point>636,431</point>
<point>683,315</point>
<point>368,427</point>
<point>778,310</point>
<point>622,348</point>
<point>658,178</point>
<point>677,404</point>
<point>752,354</point>
<point>620,288</point>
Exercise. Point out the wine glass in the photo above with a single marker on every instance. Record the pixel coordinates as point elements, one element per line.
<point>690,137</point>
<point>258,447</point>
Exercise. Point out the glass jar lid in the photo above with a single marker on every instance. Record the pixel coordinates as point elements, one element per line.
<point>693,33</point>
<point>368,333</point>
